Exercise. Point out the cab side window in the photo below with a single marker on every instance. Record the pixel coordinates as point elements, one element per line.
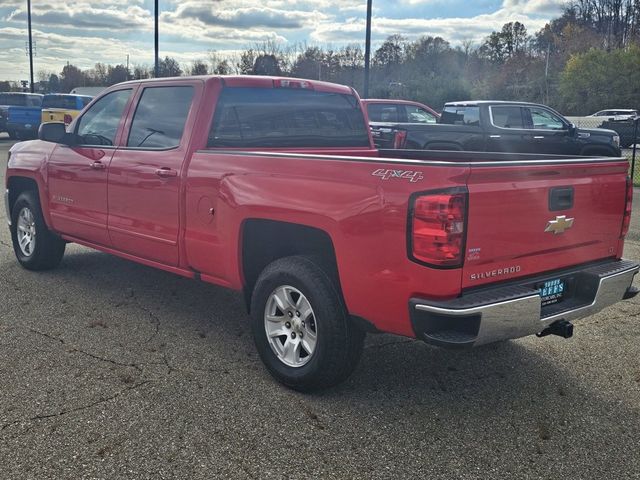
<point>160,117</point>
<point>419,115</point>
<point>544,119</point>
<point>99,124</point>
<point>507,117</point>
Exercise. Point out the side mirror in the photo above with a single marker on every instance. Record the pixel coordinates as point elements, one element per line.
<point>54,132</point>
<point>572,130</point>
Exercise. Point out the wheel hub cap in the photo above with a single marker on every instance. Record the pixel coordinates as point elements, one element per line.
<point>26,232</point>
<point>290,325</point>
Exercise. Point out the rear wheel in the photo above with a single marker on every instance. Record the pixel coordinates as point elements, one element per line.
<point>301,327</point>
<point>12,134</point>
<point>35,246</point>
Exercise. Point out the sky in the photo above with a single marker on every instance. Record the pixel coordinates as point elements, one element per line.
<point>84,32</point>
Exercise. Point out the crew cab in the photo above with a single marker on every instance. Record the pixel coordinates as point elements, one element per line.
<point>497,126</point>
<point>271,186</point>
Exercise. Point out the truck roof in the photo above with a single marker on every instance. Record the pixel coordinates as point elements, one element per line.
<point>255,81</point>
<point>475,103</point>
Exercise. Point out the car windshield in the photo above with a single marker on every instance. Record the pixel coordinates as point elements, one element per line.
<point>68,102</point>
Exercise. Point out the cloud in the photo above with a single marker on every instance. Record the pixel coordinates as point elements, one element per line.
<point>246,17</point>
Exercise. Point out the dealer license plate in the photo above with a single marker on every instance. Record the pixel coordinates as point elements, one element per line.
<point>552,291</point>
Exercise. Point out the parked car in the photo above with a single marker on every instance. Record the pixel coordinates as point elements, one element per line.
<point>16,99</point>
<point>272,186</point>
<point>63,108</point>
<point>399,111</point>
<point>496,126</point>
<point>618,114</point>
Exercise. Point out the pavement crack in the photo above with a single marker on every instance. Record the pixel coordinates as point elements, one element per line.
<point>73,348</point>
<point>75,409</point>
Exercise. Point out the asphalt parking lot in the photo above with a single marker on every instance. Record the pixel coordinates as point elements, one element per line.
<point>110,370</point>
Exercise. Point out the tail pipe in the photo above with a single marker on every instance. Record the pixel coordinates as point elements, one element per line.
<point>562,328</point>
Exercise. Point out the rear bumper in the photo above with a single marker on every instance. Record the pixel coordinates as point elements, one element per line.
<point>516,310</point>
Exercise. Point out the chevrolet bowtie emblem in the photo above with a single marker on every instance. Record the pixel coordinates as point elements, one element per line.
<point>559,225</point>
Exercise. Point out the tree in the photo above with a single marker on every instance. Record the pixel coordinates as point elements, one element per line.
<point>54,83</point>
<point>117,74</point>
<point>198,67</point>
<point>390,53</point>
<point>169,67</point>
<point>599,79</point>
<point>71,77</point>
<point>141,72</point>
<point>266,65</point>
<point>247,61</point>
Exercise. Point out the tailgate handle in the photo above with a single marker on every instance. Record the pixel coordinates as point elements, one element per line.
<point>560,198</point>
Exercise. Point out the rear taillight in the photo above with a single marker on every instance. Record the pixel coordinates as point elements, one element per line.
<point>285,83</point>
<point>399,139</point>
<point>626,220</point>
<point>438,222</point>
<point>67,119</point>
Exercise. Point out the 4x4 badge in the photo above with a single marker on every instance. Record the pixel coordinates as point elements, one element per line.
<point>403,174</point>
<point>559,225</point>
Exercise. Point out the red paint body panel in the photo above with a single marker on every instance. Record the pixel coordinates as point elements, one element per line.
<point>128,210</point>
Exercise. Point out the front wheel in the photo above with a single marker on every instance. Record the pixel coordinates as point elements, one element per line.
<point>35,246</point>
<point>301,327</point>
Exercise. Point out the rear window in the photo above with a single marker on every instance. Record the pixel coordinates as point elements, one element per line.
<point>18,100</point>
<point>457,115</point>
<point>68,102</point>
<point>283,117</point>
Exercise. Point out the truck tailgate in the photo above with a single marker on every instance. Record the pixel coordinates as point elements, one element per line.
<point>528,219</point>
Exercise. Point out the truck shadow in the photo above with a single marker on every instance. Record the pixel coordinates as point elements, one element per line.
<point>421,400</point>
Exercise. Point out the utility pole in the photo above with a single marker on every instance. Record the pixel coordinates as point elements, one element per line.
<point>155,40</point>
<point>367,51</point>
<point>31,86</point>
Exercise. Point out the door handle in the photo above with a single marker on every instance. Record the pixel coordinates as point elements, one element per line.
<point>494,136</point>
<point>166,172</point>
<point>98,166</point>
<point>538,137</point>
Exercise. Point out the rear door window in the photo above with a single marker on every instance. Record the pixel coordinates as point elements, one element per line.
<point>461,115</point>
<point>507,117</point>
<point>287,117</point>
<point>99,124</point>
<point>160,117</point>
<point>384,112</point>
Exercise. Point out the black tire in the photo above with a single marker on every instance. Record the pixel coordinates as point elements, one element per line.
<point>48,248</point>
<point>12,134</point>
<point>339,342</point>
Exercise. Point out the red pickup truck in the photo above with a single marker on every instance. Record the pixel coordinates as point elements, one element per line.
<point>272,186</point>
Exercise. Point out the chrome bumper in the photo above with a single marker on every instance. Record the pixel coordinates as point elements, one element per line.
<point>7,210</point>
<point>515,311</point>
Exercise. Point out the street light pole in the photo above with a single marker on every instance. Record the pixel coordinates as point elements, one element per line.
<point>367,51</point>
<point>155,40</point>
<point>30,46</point>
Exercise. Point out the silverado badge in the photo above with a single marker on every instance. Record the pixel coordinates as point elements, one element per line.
<point>559,225</point>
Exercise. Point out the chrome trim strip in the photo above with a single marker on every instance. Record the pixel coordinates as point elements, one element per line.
<point>507,163</point>
<point>6,206</point>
